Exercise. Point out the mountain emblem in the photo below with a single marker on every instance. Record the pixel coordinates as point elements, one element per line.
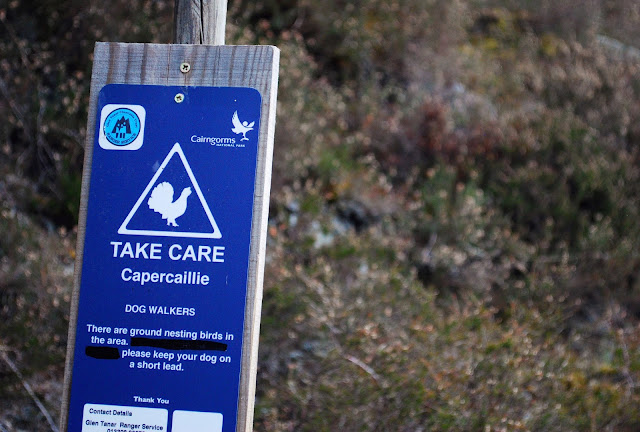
<point>121,127</point>
<point>123,123</point>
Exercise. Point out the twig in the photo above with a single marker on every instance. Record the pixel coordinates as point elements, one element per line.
<point>631,384</point>
<point>14,38</point>
<point>20,116</point>
<point>27,387</point>
<point>334,333</point>
<point>619,48</point>
<point>362,365</point>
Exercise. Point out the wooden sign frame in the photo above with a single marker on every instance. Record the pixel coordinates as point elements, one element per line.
<point>214,66</point>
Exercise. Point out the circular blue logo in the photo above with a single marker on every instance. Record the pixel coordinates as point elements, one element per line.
<point>122,127</point>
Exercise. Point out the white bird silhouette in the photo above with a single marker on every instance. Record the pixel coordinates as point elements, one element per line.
<point>241,127</point>
<point>161,201</point>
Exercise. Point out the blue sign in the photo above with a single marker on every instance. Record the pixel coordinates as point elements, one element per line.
<point>166,256</point>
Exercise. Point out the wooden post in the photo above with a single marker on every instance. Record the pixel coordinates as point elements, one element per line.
<point>200,22</point>
<point>192,63</point>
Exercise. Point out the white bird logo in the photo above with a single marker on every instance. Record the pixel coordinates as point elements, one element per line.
<point>241,127</point>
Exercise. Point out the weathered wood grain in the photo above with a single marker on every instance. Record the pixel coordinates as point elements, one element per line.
<point>199,21</point>
<point>220,66</point>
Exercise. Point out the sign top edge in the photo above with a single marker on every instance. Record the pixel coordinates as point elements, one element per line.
<point>157,45</point>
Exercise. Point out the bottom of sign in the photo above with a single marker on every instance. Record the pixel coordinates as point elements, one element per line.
<point>107,418</point>
<point>103,418</point>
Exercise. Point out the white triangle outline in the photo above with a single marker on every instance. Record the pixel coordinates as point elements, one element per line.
<point>216,234</point>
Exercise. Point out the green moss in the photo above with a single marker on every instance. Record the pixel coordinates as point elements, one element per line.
<point>312,204</point>
<point>342,251</point>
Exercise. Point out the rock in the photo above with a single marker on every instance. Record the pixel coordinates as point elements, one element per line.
<point>356,213</point>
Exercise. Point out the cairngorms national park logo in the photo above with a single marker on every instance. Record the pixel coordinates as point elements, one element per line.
<point>241,127</point>
<point>122,127</point>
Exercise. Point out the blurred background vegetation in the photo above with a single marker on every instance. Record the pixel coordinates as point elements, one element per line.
<point>454,225</point>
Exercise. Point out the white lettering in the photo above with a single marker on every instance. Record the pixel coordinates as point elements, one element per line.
<point>212,140</point>
<point>141,250</point>
<point>127,250</point>
<point>202,254</point>
<point>156,250</point>
<point>138,251</point>
<point>171,249</point>
<point>115,248</point>
<point>218,254</point>
<point>189,253</point>
<point>177,252</point>
<point>185,278</point>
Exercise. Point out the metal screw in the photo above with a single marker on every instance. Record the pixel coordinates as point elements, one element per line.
<point>185,68</point>
<point>179,98</point>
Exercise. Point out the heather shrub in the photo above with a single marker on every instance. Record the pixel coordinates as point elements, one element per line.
<point>44,80</point>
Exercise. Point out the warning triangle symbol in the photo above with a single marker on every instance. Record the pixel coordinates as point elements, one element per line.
<point>158,213</point>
